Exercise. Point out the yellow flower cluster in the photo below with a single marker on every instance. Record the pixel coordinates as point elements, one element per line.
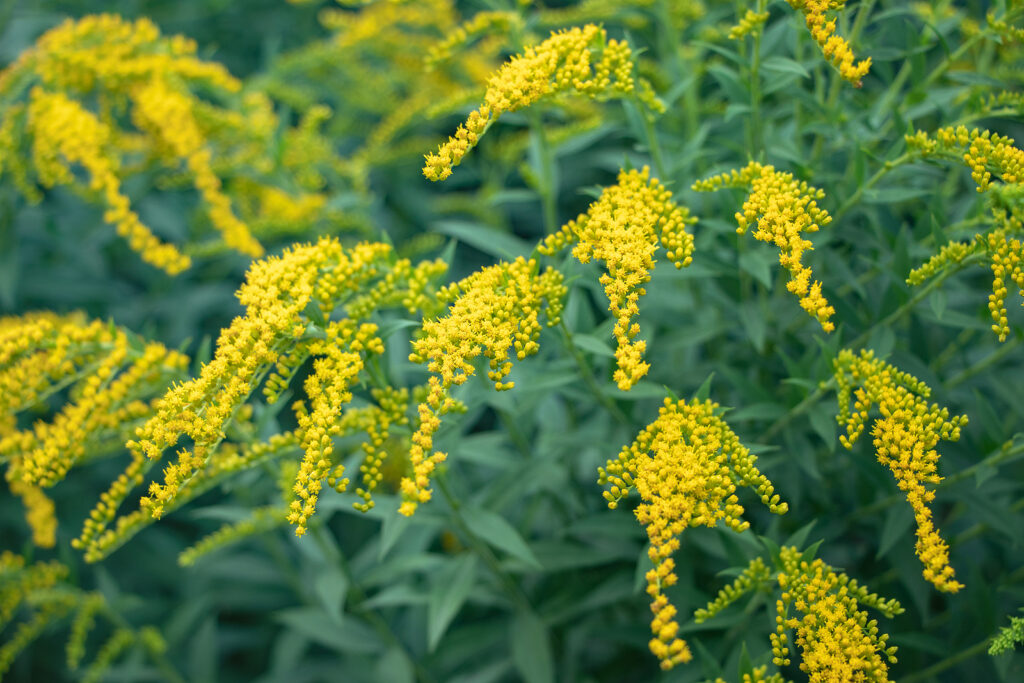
<point>984,153</point>
<point>105,52</point>
<point>758,675</point>
<point>97,540</point>
<point>328,387</point>
<point>835,48</point>
<point>40,589</point>
<point>111,376</point>
<point>905,436</point>
<point>276,294</point>
<point>686,466</point>
<point>289,301</point>
<point>784,210</point>
<point>493,312</point>
<point>65,133</point>
<point>624,228</point>
<point>85,81</point>
<point>751,22</point>
<point>376,421</point>
<point>482,24</point>
<point>578,60</point>
<point>837,641</point>
<point>165,113</point>
<point>39,510</point>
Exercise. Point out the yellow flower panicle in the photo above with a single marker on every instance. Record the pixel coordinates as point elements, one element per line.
<point>905,436</point>
<point>758,675</point>
<point>87,79</point>
<point>97,540</point>
<point>686,466</point>
<point>837,641</point>
<point>276,295</point>
<point>835,48</point>
<point>289,300</point>
<point>751,22</point>
<point>166,114</point>
<point>328,388</point>
<point>39,511</point>
<point>985,153</point>
<point>579,60</point>
<point>784,209</point>
<point>65,133</point>
<point>376,421</point>
<point>624,228</point>
<point>494,312</point>
<point>111,376</point>
<point>482,24</point>
<point>105,52</point>
<point>41,592</point>
<point>261,520</point>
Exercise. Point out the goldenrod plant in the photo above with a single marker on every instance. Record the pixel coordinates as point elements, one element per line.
<point>320,318</point>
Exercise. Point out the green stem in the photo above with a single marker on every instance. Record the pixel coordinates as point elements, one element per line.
<point>836,86</point>
<point>948,662</point>
<point>755,134</point>
<point>868,184</point>
<point>356,597</point>
<point>922,293</point>
<point>589,379</point>
<point>547,172</point>
<point>651,135</point>
<point>484,551</point>
<point>985,363</point>
<point>797,410</point>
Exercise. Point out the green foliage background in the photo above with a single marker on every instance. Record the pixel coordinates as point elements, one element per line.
<point>554,589</point>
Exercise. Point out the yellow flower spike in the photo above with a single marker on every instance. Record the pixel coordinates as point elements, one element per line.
<point>836,640</point>
<point>835,48</point>
<point>751,22</point>
<point>494,312</point>
<point>111,380</point>
<point>686,466</point>
<point>39,511</point>
<point>166,114</point>
<point>578,60</point>
<point>624,228</point>
<point>117,98</point>
<point>986,154</point>
<point>484,23</point>
<point>288,301</point>
<point>65,133</point>
<point>904,436</point>
<point>784,210</point>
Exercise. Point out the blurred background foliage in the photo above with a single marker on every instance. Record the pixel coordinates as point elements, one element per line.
<point>556,591</point>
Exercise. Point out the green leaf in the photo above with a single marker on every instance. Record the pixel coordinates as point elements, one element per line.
<point>704,391</point>
<point>758,263</point>
<point>351,635</point>
<point>488,240</point>
<point>394,666</point>
<point>784,65</point>
<point>531,648</point>
<point>452,586</point>
<point>592,344</point>
<point>391,529</point>
<point>495,530</point>
<point>330,587</point>
<point>898,521</point>
<point>823,421</point>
